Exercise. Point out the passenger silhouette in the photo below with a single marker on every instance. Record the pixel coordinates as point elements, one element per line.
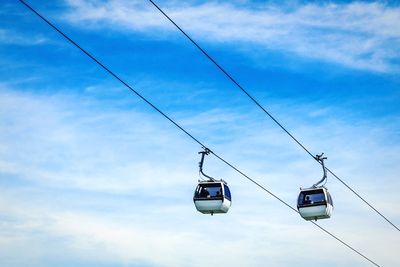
<point>204,192</point>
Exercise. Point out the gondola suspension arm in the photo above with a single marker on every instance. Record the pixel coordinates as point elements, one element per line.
<point>321,159</point>
<point>203,153</point>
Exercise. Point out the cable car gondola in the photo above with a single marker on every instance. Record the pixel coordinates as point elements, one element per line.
<point>211,196</point>
<point>315,202</point>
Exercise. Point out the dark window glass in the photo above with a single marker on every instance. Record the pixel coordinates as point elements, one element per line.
<point>227,192</point>
<point>208,191</point>
<point>312,197</point>
<point>300,200</point>
<point>320,197</point>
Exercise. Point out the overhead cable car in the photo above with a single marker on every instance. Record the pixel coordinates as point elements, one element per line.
<point>315,202</point>
<point>211,196</point>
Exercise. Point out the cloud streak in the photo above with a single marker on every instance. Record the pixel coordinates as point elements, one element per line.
<point>104,187</point>
<point>10,37</point>
<point>355,35</point>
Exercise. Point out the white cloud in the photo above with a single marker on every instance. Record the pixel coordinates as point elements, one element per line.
<point>66,148</point>
<point>356,35</point>
<point>13,38</point>
<point>233,240</point>
<point>99,184</point>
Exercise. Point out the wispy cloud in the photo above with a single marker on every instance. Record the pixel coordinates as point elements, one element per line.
<point>125,237</point>
<point>102,184</point>
<point>356,35</point>
<point>66,141</point>
<point>64,150</point>
<point>13,38</point>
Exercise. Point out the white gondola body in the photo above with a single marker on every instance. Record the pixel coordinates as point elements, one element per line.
<point>316,212</point>
<point>212,203</point>
<point>212,206</point>
<point>319,206</point>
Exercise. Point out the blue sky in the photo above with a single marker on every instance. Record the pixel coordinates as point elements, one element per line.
<point>92,176</point>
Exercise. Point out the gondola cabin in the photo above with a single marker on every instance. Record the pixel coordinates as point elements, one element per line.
<point>212,197</point>
<point>315,203</point>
